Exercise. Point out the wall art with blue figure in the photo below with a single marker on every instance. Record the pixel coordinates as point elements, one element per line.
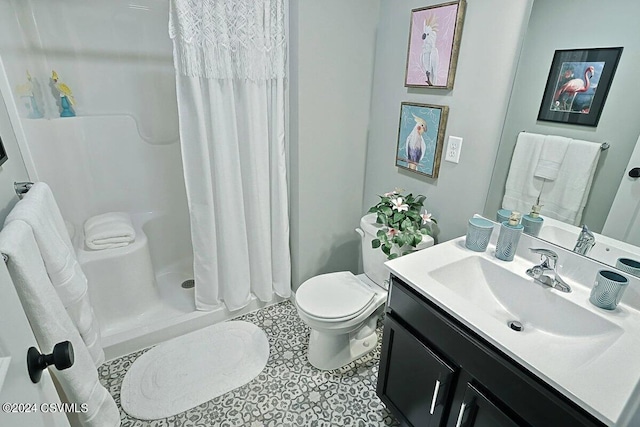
<point>420,137</point>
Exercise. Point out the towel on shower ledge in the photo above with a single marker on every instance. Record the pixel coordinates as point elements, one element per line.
<point>109,230</point>
<point>40,211</point>
<point>51,324</point>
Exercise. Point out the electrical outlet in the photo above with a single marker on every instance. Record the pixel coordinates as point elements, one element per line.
<point>453,149</point>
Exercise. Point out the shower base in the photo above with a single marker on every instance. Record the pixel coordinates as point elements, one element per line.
<point>173,315</point>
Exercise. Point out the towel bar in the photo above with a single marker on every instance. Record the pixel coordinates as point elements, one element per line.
<point>22,188</point>
<point>604,146</point>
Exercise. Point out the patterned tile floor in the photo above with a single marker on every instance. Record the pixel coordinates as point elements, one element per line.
<point>288,392</point>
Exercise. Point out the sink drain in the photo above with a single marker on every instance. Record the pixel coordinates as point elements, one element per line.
<point>515,325</point>
<point>188,284</point>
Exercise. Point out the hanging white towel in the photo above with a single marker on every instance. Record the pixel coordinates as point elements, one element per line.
<point>51,324</point>
<point>39,209</point>
<point>522,189</point>
<point>565,198</point>
<point>109,230</point>
<point>551,157</point>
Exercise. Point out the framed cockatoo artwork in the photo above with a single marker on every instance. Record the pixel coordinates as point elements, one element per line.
<point>420,137</point>
<point>578,84</point>
<point>434,42</point>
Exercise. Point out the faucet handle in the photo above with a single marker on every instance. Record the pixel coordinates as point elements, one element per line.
<point>549,257</point>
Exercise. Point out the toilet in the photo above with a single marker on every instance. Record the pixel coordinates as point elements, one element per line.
<point>342,309</point>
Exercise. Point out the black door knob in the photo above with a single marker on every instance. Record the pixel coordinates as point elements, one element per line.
<point>634,173</point>
<point>61,358</point>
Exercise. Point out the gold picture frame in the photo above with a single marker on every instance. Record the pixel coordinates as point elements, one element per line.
<point>434,44</point>
<point>421,137</point>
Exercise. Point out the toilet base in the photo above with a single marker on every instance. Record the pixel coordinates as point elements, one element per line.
<point>332,351</point>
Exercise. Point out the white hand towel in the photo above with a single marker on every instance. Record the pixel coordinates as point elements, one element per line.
<point>109,230</point>
<point>551,157</point>
<point>39,209</point>
<point>51,324</point>
<point>565,198</point>
<point>522,189</point>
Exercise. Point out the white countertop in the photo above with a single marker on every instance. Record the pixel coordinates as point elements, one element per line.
<point>599,372</point>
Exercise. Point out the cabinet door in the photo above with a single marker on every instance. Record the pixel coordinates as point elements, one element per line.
<point>477,410</point>
<point>413,381</point>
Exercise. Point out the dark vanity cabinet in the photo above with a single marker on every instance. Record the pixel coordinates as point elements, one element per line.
<point>434,371</point>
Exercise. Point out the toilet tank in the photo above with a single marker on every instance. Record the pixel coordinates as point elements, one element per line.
<point>373,259</point>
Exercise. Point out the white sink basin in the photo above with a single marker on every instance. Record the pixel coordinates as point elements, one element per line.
<point>508,296</point>
<point>587,353</point>
<point>545,316</point>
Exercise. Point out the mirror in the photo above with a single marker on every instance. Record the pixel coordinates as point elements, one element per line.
<point>580,24</point>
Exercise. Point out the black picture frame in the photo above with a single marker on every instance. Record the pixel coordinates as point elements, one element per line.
<point>3,153</point>
<point>578,85</point>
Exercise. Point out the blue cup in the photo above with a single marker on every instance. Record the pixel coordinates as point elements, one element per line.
<point>478,234</point>
<point>532,226</point>
<point>608,289</point>
<point>503,215</point>
<point>628,265</point>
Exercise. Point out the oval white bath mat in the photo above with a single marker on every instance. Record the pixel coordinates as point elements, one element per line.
<point>189,370</point>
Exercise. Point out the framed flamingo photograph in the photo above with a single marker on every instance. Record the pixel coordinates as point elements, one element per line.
<point>420,137</point>
<point>434,42</point>
<point>578,84</point>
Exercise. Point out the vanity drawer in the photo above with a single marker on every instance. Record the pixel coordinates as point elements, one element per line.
<point>408,308</point>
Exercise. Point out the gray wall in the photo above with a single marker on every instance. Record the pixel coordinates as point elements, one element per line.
<point>13,169</point>
<point>550,29</point>
<point>491,40</point>
<point>332,48</point>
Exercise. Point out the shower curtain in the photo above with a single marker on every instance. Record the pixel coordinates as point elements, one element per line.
<point>230,60</point>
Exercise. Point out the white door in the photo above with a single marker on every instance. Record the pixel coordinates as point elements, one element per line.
<point>23,402</point>
<point>623,222</point>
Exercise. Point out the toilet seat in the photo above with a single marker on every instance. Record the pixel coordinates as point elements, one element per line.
<point>334,297</point>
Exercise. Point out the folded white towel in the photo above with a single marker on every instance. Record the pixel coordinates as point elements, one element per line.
<point>551,157</point>
<point>51,324</point>
<point>39,209</point>
<point>109,230</point>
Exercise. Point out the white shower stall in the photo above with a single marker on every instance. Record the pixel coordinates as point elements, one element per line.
<point>121,153</point>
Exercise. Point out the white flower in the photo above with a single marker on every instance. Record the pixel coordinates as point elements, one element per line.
<point>426,217</point>
<point>390,193</point>
<point>399,205</point>
<point>392,232</point>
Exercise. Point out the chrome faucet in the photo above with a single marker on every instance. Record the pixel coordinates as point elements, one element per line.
<point>548,264</point>
<point>586,241</point>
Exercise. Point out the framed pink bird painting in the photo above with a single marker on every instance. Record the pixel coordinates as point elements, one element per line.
<point>434,43</point>
<point>578,84</point>
<point>420,137</point>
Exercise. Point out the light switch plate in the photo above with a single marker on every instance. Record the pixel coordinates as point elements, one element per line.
<point>454,147</point>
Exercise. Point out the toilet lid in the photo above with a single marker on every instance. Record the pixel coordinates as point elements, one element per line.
<point>334,296</point>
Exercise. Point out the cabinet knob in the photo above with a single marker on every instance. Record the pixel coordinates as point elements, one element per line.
<point>61,357</point>
<point>634,173</point>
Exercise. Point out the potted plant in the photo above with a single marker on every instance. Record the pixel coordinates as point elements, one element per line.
<point>404,223</point>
